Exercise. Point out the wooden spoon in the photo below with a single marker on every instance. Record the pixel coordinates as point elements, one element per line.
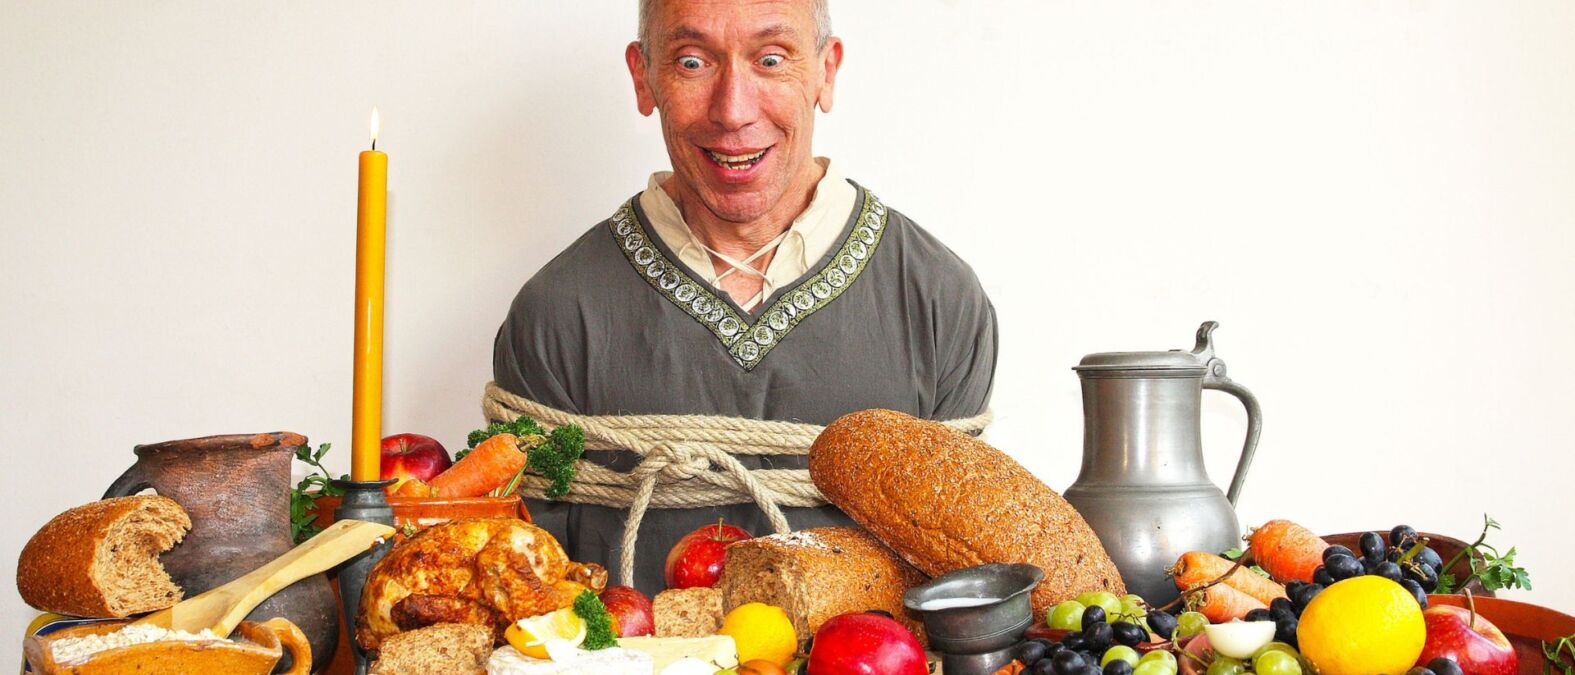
<point>222,608</point>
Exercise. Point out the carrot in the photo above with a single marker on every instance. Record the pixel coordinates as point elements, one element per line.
<point>1198,567</point>
<point>410,487</point>
<point>1287,551</point>
<point>494,461</point>
<point>1222,603</point>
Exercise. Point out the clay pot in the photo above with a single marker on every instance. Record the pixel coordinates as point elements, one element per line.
<point>237,491</point>
<point>256,652</point>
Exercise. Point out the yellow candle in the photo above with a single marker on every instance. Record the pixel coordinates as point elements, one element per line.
<point>370,239</point>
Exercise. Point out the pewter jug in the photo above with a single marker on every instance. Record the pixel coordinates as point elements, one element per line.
<point>1143,486</point>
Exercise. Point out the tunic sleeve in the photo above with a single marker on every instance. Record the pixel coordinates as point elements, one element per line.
<point>529,353</point>
<point>968,351</point>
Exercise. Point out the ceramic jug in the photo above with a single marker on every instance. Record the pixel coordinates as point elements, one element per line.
<point>1143,486</point>
<point>236,489</point>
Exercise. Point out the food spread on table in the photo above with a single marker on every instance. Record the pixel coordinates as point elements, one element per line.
<point>962,562</point>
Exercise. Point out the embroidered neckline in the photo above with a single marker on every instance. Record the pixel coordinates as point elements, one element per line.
<point>748,343</point>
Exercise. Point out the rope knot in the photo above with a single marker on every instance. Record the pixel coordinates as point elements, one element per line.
<point>686,461</point>
<point>676,461</point>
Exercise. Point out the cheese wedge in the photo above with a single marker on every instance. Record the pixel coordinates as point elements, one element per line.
<point>509,661</point>
<point>718,650</point>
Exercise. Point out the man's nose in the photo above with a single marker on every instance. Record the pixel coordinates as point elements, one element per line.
<point>735,101</point>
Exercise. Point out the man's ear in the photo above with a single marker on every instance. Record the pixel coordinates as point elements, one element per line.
<point>637,70</point>
<point>833,56</point>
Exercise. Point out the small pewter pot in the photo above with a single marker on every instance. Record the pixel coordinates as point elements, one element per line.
<point>1143,486</point>
<point>976,617</point>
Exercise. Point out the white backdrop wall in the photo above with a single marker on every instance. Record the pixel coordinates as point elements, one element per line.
<point>1374,198</point>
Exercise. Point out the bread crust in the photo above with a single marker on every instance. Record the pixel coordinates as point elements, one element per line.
<point>819,573</point>
<point>945,500</point>
<point>56,571</point>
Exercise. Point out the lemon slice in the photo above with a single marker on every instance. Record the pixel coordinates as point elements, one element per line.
<point>563,630</point>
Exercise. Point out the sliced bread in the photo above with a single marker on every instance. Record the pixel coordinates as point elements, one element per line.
<point>687,612</point>
<point>439,649</point>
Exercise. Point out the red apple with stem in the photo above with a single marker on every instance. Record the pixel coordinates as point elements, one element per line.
<point>866,644</point>
<point>407,456</point>
<point>1473,642</point>
<point>696,560</point>
<point>632,609</point>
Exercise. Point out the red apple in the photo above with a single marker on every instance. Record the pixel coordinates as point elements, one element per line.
<point>412,456</point>
<point>1478,646</point>
<point>631,608</point>
<point>696,560</point>
<point>865,644</point>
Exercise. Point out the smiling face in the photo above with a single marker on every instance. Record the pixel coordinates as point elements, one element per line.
<point>737,83</point>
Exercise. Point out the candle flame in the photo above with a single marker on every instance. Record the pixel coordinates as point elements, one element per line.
<point>375,125</point>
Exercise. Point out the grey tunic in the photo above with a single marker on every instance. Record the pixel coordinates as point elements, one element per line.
<point>889,318</point>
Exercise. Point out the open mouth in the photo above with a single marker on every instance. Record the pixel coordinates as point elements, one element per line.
<point>737,162</point>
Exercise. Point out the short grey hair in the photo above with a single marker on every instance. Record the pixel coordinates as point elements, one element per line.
<point>822,11</point>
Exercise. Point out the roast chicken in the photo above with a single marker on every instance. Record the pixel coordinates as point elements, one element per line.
<point>489,571</point>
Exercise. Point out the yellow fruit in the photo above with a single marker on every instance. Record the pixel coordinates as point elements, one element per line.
<point>1362,625</point>
<point>761,631</point>
<point>531,636</point>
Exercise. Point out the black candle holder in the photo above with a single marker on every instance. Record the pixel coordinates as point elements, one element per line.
<point>363,500</point>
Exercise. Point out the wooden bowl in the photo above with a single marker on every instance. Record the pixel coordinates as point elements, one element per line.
<point>1526,625</point>
<point>258,648</point>
<point>424,512</point>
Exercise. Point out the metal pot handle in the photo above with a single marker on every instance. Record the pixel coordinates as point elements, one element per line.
<point>1214,378</point>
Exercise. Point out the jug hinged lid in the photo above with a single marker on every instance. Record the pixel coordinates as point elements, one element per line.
<point>1173,363</point>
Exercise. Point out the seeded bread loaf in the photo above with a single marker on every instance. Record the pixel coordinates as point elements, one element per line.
<point>818,573</point>
<point>945,500</point>
<point>687,612</point>
<point>438,649</point>
<point>101,560</point>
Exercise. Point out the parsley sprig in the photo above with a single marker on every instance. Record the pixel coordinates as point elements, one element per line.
<point>1553,656</point>
<point>550,454</point>
<point>598,621</point>
<point>1495,570</point>
<point>303,498</point>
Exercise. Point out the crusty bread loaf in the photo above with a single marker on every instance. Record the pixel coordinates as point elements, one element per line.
<point>101,560</point>
<point>687,612</point>
<point>818,573</point>
<point>438,649</point>
<point>945,500</point>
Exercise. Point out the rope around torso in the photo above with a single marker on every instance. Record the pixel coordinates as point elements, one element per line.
<point>686,461</point>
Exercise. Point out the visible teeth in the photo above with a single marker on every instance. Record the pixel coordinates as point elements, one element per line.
<point>746,160</point>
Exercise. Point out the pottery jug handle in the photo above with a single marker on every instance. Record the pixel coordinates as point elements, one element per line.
<point>1214,378</point>
<point>294,642</point>
<point>134,480</point>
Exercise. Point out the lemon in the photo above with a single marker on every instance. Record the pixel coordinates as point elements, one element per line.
<point>761,631</point>
<point>1362,625</point>
<point>560,629</point>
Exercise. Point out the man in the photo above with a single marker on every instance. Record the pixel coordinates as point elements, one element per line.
<point>751,281</point>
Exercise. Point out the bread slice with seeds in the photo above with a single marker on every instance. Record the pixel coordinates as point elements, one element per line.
<point>101,560</point>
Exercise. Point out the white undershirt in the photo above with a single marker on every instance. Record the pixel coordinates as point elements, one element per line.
<point>806,241</point>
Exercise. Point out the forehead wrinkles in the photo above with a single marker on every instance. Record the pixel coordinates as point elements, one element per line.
<point>720,21</point>
<point>780,32</point>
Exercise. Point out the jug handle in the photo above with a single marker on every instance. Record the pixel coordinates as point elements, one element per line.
<point>1214,378</point>
<point>131,482</point>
